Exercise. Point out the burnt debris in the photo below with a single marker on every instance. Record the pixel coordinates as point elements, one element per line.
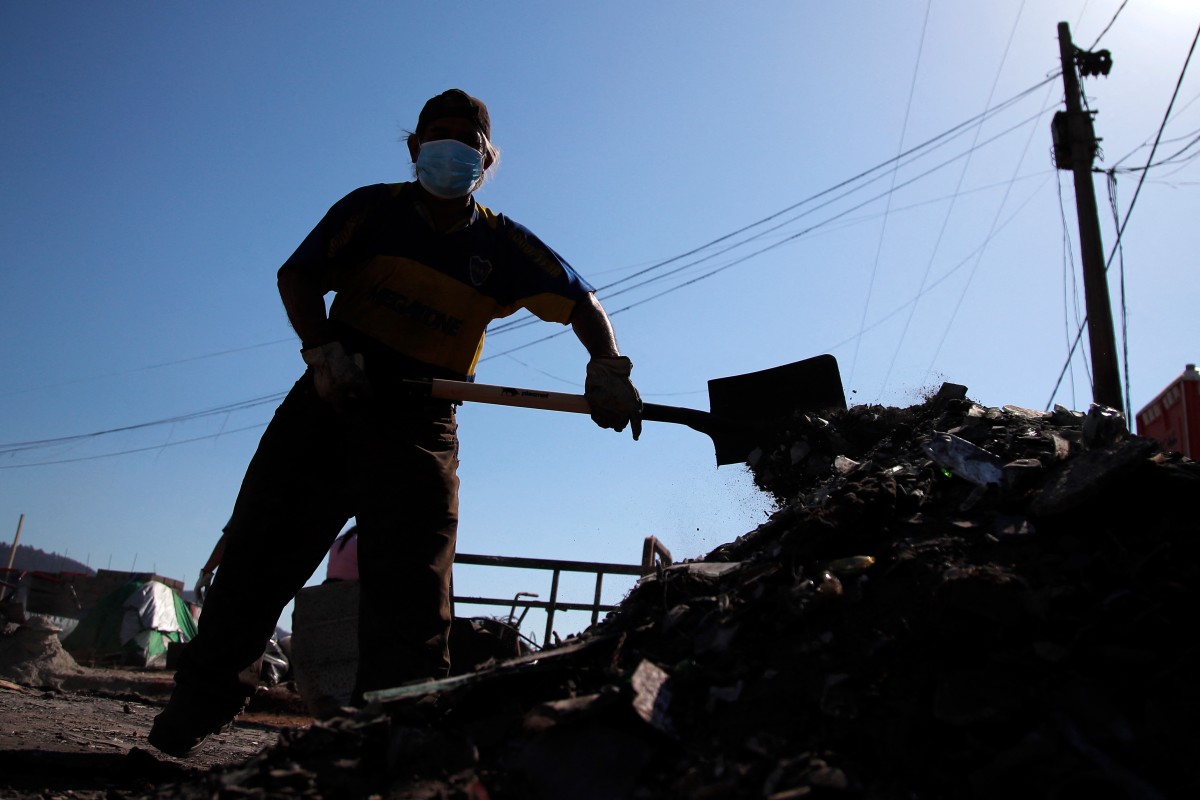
<point>950,601</point>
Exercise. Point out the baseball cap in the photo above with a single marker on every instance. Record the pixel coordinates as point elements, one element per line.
<point>455,103</point>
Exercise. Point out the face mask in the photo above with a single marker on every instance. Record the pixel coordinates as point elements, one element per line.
<point>447,168</point>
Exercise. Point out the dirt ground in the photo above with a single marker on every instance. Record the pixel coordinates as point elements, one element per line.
<point>86,738</point>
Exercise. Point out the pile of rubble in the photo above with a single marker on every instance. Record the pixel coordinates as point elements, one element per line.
<point>951,601</point>
<point>31,653</point>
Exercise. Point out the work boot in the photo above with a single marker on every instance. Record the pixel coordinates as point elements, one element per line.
<point>189,719</point>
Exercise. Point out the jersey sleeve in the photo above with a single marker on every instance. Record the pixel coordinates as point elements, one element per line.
<point>548,286</point>
<point>329,248</point>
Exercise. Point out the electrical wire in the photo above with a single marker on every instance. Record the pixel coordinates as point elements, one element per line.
<point>912,91</point>
<point>744,258</point>
<point>11,448</point>
<point>148,367</point>
<point>908,156</point>
<point>1167,161</point>
<point>1112,204</point>
<point>1070,282</point>
<point>134,449</point>
<point>938,281</point>
<point>975,268</point>
<point>1108,27</point>
<point>530,320</point>
<point>953,201</point>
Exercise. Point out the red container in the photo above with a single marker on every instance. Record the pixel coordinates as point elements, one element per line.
<point>1173,418</point>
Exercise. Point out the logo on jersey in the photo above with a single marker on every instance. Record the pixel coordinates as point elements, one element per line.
<point>479,269</point>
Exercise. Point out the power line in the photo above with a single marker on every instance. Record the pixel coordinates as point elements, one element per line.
<point>530,320</point>
<point>148,367</point>
<point>912,90</point>
<point>1070,282</point>
<point>1107,27</point>
<point>17,447</point>
<point>946,276</point>
<point>730,264</point>
<point>950,209</point>
<point>908,156</point>
<point>979,258</point>
<point>1112,204</point>
<point>135,449</point>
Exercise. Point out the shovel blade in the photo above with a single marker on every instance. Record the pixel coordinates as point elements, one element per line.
<point>768,396</point>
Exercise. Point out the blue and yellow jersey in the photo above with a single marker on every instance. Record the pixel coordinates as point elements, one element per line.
<point>429,296</point>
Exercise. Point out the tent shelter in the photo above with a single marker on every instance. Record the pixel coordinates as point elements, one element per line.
<point>132,626</point>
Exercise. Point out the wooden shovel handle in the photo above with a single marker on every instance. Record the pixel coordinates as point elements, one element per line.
<point>553,401</point>
<point>504,395</point>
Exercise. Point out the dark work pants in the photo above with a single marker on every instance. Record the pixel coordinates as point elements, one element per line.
<point>394,468</point>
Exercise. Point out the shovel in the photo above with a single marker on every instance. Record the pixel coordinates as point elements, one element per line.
<point>743,406</point>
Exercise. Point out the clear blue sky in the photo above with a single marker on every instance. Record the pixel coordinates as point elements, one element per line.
<point>160,160</point>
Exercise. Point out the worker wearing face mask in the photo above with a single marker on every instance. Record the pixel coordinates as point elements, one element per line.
<point>419,270</point>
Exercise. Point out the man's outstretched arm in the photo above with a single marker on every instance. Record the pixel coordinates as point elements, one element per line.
<point>614,399</point>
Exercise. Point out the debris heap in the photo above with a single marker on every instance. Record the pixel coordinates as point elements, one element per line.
<point>951,601</point>
<point>31,654</point>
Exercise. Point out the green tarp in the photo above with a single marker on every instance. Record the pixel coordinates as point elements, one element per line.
<point>132,626</point>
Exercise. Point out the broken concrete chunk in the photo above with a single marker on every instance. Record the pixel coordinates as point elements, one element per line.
<point>1062,447</point>
<point>843,465</point>
<point>950,391</point>
<point>1028,413</point>
<point>964,459</point>
<point>1067,418</point>
<point>1104,426</point>
<point>705,569</point>
<point>652,695</point>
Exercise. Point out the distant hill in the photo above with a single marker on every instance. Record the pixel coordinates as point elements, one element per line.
<point>32,559</point>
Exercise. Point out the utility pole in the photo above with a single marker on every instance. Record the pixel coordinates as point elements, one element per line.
<point>1075,147</point>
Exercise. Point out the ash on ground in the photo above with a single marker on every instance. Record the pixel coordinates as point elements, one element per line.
<point>951,601</point>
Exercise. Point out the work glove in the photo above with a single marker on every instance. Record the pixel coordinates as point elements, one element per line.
<point>202,584</point>
<point>338,376</point>
<point>613,398</point>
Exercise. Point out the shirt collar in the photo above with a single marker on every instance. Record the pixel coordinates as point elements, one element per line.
<point>468,218</point>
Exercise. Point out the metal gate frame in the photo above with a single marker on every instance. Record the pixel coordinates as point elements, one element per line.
<point>654,555</point>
